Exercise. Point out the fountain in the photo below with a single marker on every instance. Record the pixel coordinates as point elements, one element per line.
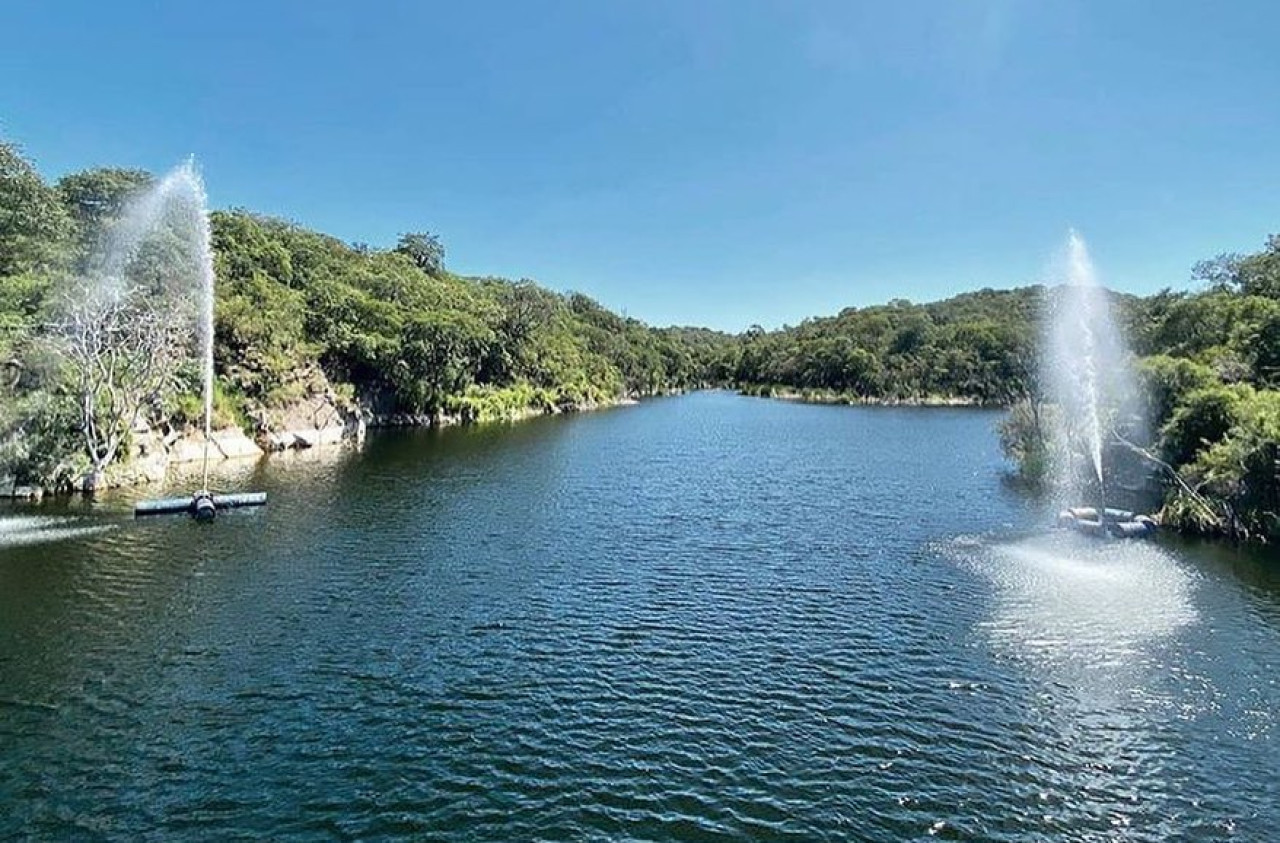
<point>1086,367</point>
<point>161,248</point>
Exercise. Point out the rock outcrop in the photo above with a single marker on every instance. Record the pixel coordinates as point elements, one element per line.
<point>320,417</point>
<point>227,444</point>
<point>316,420</point>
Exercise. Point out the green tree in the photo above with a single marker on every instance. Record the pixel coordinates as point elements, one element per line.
<point>34,227</point>
<point>1239,470</point>
<point>1167,382</point>
<point>424,249</point>
<point>96,198</point>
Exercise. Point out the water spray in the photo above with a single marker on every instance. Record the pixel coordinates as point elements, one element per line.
<point>1084,363</point>
<point>182,192</point>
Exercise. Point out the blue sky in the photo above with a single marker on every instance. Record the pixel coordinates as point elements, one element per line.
<point>718,162</point>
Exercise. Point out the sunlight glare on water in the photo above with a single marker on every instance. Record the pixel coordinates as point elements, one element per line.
<point>1064,598</point>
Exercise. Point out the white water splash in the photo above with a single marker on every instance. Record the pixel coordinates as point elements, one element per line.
<point>189,178</point>
<point>1101,631</point>
<point>1065,597</point>
<point>27,530</point>
<point>1083,610</point>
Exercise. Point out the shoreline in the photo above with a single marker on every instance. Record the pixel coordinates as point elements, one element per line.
<point>179,466</point>
<point>159,461</point>
<point>828,397</point>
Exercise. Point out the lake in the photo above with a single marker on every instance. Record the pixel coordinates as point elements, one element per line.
<point>703,617</point>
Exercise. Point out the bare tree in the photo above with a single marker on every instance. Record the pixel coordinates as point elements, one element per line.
<point>125,347</point>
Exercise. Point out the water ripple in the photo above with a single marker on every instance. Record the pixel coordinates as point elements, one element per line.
<point>664,623</point>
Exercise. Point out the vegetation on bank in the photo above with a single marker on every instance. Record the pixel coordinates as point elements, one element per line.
<point>974,348</point>
<point>393,329</point>
<point>412,338</point>
<point>820,395</point>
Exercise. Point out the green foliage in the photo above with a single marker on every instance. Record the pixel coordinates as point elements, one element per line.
<point>1211,381</point>
<point>1024,435</point>
<point>411,338</point>
<point>39,444</point>
<point>35,229</point>
<point>185,408</point>
<point>37,428</point>
<point>489,403</point>
<point>424,249</point>
<point>1247,275</point>
<point>1201,419</point>
<point>39,436</point>
<point>1235,333</point>
<point>96,198</point>
<point>1239,467</point>
<point>1167,381</point>
<point>439,356</point>
<point>259,335</point>
<point>22,299</point>
<point>392,329</point>
<point>977,347</point>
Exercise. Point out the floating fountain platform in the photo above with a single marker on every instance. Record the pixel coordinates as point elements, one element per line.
<point>1112,523</point>
<point>202,506</point>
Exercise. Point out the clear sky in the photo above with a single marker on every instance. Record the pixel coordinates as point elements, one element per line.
<point>718,162</point>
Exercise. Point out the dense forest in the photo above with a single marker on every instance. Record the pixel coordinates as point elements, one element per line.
<point>1210,366</point>
<point>392,331</point>
<point>408,336</point>
<point>977,347</point>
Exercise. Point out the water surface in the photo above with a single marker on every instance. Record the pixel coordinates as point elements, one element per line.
<point>707,617</point>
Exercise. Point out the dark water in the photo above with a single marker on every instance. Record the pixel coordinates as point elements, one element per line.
<point>701,618</point>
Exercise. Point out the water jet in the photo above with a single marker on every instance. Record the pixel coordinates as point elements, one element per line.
<point>1085,363</point>
<point>177,205</point>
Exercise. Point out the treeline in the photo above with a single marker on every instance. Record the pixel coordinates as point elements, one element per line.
<point>1211,368</point>
<point>407,336</point>
<point>977,347</point>
<point>1209,373</point>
